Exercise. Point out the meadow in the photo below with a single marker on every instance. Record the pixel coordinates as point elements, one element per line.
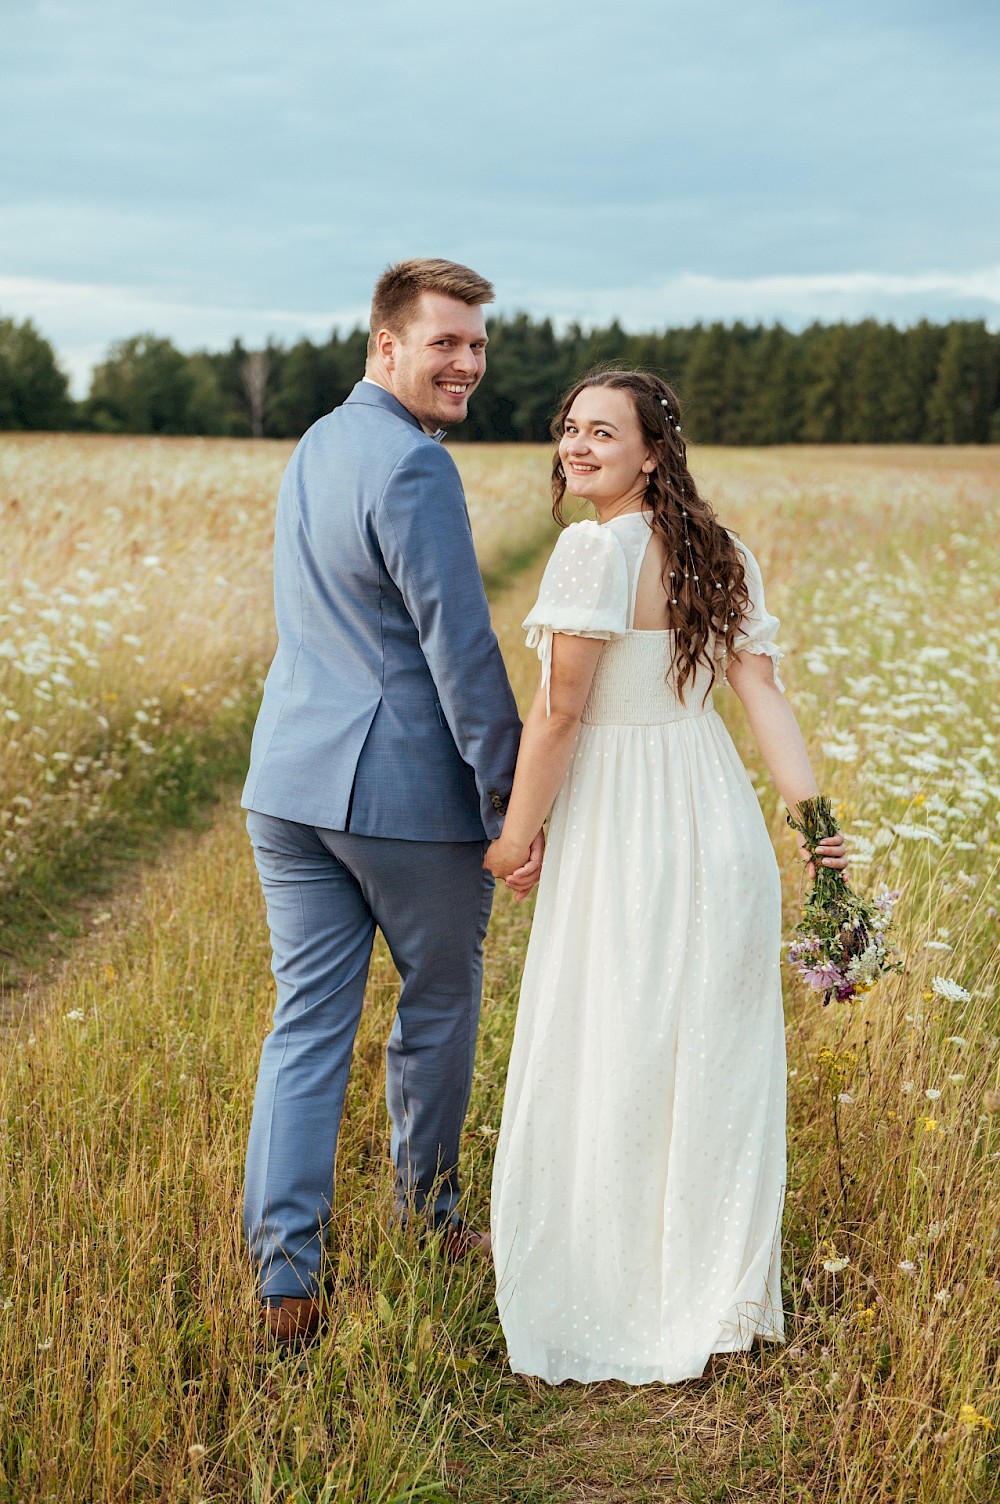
<point>129,1363</point>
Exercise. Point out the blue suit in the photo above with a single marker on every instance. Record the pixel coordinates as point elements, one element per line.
<point>382,760</point>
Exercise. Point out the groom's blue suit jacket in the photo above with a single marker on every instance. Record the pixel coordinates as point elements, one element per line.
<point>387,710</point>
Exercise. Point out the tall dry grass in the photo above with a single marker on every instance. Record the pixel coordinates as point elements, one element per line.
<point>127,1353</point>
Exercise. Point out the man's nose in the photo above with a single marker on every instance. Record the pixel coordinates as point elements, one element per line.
<point>465,361</point>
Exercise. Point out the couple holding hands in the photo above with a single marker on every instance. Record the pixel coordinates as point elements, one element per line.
<point>640,1167</point>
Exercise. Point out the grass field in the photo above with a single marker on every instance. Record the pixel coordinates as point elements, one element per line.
<point>128,1362</point>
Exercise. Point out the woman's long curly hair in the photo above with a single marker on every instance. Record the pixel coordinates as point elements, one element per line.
<point>703,571</point>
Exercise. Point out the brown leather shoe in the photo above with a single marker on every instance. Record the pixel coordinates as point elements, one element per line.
<point>291,1320</point>
<point>459,1240</point>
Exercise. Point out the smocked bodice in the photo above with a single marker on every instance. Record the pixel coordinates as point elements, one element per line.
<point>632,686</point>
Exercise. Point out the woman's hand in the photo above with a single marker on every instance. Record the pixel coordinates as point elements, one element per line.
<point>832,851</point>
<point>519,870</point>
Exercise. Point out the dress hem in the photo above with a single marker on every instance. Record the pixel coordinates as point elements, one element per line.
<point>685,1375</point>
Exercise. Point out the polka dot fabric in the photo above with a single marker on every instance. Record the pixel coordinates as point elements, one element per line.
<point>758,628</point>
<point>640,1166</point>
<point>584,591</point>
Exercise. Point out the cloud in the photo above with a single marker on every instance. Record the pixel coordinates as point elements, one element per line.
<point>794,300</point>
<point>82,318</point>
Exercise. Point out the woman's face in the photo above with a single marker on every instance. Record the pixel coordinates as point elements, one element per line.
<point>602,449</point>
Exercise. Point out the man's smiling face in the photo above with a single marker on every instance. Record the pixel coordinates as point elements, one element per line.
<point>437,361</point>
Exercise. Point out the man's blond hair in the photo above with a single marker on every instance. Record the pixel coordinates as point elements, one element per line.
<point>397,292</point>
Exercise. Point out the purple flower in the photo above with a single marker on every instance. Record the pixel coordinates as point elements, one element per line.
<point>824,977</point>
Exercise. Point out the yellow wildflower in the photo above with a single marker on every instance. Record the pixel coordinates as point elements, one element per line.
<point>836,1066</point>
<point>969,1416</point>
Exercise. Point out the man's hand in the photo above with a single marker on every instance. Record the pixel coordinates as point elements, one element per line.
<point>518,868</point>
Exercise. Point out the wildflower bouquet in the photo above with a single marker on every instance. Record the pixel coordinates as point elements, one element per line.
<point>842,949</point>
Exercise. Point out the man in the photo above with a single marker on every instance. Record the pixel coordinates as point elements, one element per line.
<point>382,760</point>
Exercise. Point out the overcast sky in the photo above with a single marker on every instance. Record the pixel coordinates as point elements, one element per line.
<point>202,168</point>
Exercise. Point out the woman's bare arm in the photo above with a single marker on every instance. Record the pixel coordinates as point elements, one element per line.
<point>546,747</point>
<point>777,734</point>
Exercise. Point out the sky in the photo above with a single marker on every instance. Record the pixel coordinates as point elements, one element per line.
<point>203,169</point>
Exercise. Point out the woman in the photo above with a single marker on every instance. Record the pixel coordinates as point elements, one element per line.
<point>640,1166</point>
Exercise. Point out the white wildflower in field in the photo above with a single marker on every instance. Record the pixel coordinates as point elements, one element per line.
<point>950,991</point>
<point>860,849</point>
<point>908,832</point>
<point>75,1016</point>
<point>842,749</point>
<point>834,1266</point>
<point>932,1094</point>
<point>937,945</point>
<point>907,1266</point>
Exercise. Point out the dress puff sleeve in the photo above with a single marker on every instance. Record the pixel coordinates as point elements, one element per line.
<point>758,629</point>
<point>584,593</point>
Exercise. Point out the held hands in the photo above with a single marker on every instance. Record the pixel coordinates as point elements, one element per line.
<point>832,850</point>
<point>520,869</point>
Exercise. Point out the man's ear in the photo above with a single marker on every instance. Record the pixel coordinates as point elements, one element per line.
<point>385,344</point>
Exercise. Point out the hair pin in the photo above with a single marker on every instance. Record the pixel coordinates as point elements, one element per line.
<point>670,416</point>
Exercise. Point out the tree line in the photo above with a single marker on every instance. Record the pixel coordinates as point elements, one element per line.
<point>861,383</point>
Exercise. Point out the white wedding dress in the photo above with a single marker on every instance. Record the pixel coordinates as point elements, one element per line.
<point>640,1166</point>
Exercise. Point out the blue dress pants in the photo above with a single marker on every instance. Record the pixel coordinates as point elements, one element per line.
<point>326,891</point>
